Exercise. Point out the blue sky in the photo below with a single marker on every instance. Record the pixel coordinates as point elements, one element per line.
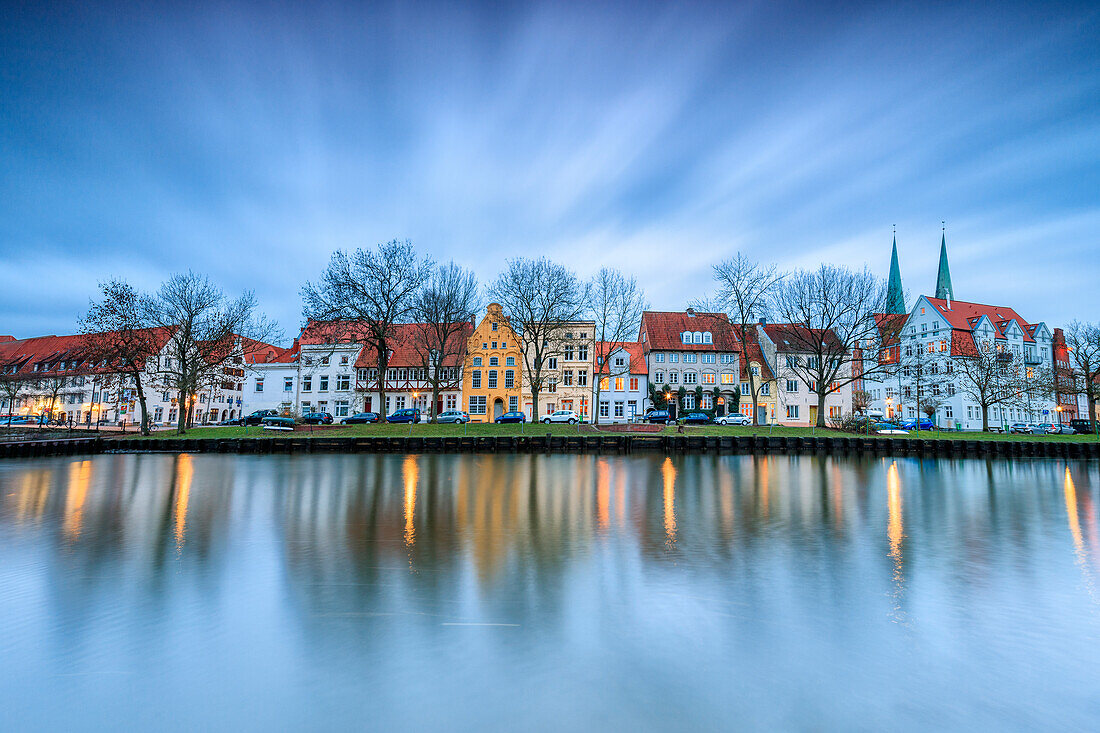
<point>248,141</point>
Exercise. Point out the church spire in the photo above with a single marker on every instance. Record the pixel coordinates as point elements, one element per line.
<point>895,297</point>
<point>943,279</point>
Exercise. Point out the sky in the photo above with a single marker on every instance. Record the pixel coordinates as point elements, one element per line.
<point>247,141</point>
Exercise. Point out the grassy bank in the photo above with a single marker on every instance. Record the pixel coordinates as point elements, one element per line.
<point>478,429</point>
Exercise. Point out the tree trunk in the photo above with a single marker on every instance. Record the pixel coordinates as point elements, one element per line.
<point>820,408</point>
<point>534,403</point>
<point>144,409</point>
<point>596,403</point>
<point>985,418</point>
<point>755,398</point>
<point>433,408</point>
<point>185,409</point>
<point>383,362</point>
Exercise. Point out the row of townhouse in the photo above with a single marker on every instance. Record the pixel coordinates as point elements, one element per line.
<point>51,375</point>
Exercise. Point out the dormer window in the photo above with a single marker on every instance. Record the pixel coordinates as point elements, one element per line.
<point>707,338</point>
<point>697,338</point>
<point>686,337</point>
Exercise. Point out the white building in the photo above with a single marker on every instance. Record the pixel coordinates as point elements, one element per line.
<point>623,381</point>
<point>796,401</point>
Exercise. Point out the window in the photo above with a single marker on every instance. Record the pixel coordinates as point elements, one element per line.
<point>618,409</point>
<point>727,378</point>
<point>288,384</point>
<point>744,388</point>
<point>323,383</point>
<point>673,358</point>
<point>494,361</point>
<point>618,384</point>
<point>568,355</point>
<point>948,412</point>
<point>567,377</point>
<point>341,408</point>
<point>552,363</point>
<point>509,378</point>
<point>343,382</point>
<point>477,361</point>
<point>707,338</point>
<point>344,359</point>
<point>659,358</point>
<point>604,408</point>
<point>509,361</point>
<point>306,406</point>
<point>475,381</point>
<point>659,377</point>
<point>450,402</point>
<point>708,401</point>
<point>708,377</point>
<point>492,379</point>
<point>673,377</point>
<point>792,386</point>
<point>691,377</point>
<point>685,337</point>
<point>494,326</point>
<point>477,405</point>
<point>605,384</point>
<point>792,412</point>
<point>259,384</point>
<point>765,389</point>
<point>582,377</point>
<point>689,401</point>
<point>324,361</point>
<point>307,384</point>
<point>494,344</point>
<point>633,384</point>
<point>691,358</point>
<point>582,351</point>
<point>513,403</point>
<point>708,358</point>
<point>834,411</point>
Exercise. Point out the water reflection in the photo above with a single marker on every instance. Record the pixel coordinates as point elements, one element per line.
<point>388,573</point>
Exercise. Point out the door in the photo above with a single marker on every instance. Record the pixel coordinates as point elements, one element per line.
<point>498,408</point>
<point>813,414</point>
<point>761,415</point>
<point>366,404</point>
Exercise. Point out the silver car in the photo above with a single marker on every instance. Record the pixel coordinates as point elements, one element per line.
<point>453,416</point>
<point>734,418</point>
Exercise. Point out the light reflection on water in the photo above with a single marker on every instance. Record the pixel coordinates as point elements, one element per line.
<point>547,593</point>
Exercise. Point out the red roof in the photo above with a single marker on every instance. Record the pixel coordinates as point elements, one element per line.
<point>404,342</point>
<point>964,316</point>
<point>50,351</point>
<point>663,330</point>
<point>795,337</point>
<point>257,352</point>
<point>634,348</point>
<point>750,351</point>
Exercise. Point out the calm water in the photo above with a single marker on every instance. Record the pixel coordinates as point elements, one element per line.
<point>548,593</point>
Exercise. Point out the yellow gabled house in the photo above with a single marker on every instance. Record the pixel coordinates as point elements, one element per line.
<point>492,375</point>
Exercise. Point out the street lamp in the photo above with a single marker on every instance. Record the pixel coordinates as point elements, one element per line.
<point>416,410</point>
<point>1058,409</point>
<point>668,402</point>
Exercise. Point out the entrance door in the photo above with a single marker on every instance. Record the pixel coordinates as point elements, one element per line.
<point>813,414</point>
<point>498,408</point>
<point>761,414</point>
<point>366,404</point>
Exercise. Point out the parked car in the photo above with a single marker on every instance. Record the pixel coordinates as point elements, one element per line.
<point>566,416</point>
<point>360,418</point>
<point>1081,425</point>
<point>1062,430</point>
<point>277,422</point>
<point>1046,427</point>
<point>317,418</point>
<point>257,417</point>
<point>515,416</point>
<point>925,424</point>
<point>453,416</point>
<point>696,418</point>
<point>228,423</point>
<point>1025,428</point>
<point>735,418</point>
<point>659,416</point>
<point>409,414</point>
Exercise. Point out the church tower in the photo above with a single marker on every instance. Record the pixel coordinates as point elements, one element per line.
<point>943,278</point>
<point>895,296</point>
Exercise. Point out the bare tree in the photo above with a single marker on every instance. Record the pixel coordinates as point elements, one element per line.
<point>861,400</point>
<point>1037,388</point>
<point>116,330</point>
<point>830,315</point>
<point>204,330</point>
<point>745,289</point>
<point>362,295</point>
<point>988,376</point>
<point>1083,343</point>
<point>616,304</point>
<point>12,385</point>
<point>920,371</point>
<point>443,310</point>
<point>539,297</point>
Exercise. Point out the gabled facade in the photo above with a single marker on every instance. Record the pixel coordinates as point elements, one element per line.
<point>781,345</point>
<point>752,359</point>
<point>566,380</point>
<point>492,379</point>
<point>623,379</point>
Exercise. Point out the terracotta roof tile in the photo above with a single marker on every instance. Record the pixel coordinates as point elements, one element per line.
<point>634,348</point>
<point>663,331</point>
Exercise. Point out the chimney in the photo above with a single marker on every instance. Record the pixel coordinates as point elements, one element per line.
<point>691,312</point>
<point>763,321</point>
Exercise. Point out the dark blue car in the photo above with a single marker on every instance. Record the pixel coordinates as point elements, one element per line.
<point>410,414</point>
<point>696,418</point>
<point>360,418</point>
<point>925,424</point>
<point>512,417</point>
<point>657,416</point>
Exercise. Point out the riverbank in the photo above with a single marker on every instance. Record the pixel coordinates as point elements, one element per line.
<point>564,441</point>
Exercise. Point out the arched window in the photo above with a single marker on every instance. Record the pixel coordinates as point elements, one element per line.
<point>493,361</point>
<point>477,361</point>
<point>707,338</point>
<point>686,337</point>
<point>697,338</point>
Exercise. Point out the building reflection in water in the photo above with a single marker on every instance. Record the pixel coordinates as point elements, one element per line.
<point>668,475</point>
<point>507,531</point>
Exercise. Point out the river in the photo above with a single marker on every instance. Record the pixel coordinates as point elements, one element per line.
<point>384,592</point>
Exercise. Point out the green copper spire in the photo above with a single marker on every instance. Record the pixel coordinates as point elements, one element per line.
<point>895,298</point>
<point>943,279</point>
